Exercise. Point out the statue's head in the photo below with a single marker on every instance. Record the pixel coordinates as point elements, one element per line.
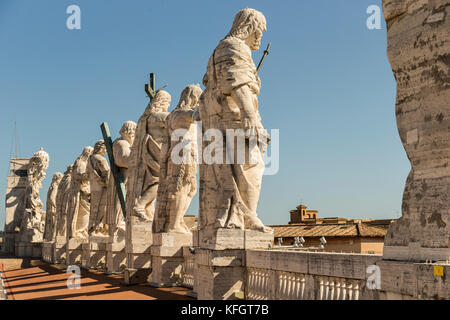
<point>87,151</point>
<point>190,96</point>
<point>69,169</point>
<point>38,164</point>
<point>249,25</point>
<point>161,102</point>
<point>128,131</point>
<point>100,147</point>
<point>57,178</point>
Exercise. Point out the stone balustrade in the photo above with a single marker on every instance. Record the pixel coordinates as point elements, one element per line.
<point>297,275</point>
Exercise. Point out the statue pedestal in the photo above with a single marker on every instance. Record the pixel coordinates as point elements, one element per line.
<point>59,254</point>
<point>74,251</point>
<point>94,253</point>
<point>220,260</point>
<point>138,242</point>
<point>116,257</point>
<point>48,252</point>
<point>167,258</point>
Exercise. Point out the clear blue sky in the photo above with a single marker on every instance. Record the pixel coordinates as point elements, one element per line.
<point>327,85</point>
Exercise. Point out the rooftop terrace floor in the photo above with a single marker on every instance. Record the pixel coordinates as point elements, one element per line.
<point>49,282</point>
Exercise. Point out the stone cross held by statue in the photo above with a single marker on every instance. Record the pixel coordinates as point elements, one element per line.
<point>118,179</point>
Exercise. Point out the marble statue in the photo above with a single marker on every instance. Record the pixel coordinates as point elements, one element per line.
<point>178,182</point>
<point>121,151</point>
<point>50,215</point>
<point>143,177</point>
<point>62,202</point>
<point>229,193</point>
<point>79,197</point>
<point>97,171</point>
<point>33,220</point>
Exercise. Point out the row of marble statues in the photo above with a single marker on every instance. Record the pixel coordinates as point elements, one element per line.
<point>83,201</point>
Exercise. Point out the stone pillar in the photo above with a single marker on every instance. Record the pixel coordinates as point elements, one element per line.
<point>48,252</point>
<point>221,262</point>
<point>167,258</point>
<point>15,199</point>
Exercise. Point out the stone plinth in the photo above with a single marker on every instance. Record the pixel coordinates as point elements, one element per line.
<point>138,243</point>
<point>223,239</point>
<point>60,249</point>
<point>116,257</point>
<point>167,258</point>
<point>94,253</point>
<point>220,262</point>
<point>74,251</point>
<point>48,252</point>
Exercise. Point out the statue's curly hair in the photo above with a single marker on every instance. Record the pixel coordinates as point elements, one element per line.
<point>245,22</point>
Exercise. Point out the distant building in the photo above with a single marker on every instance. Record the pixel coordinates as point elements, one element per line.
<point>341,234</point>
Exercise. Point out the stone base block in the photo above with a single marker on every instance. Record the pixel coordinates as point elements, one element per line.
<point>74,251</point>
<point>94,253</point>
<point>60,252</point>
<point>222,239</point>
<point>136,276</point>
<point>167,258</point>
<point>116,257</point>
<point>48,252</point>
<point>138,255</point>
<point>415,253</point>
<point>406,280</point>
<point>220,274</point>
<point>29,250</point>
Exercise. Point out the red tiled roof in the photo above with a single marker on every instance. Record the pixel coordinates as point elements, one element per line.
<point>330,230</point>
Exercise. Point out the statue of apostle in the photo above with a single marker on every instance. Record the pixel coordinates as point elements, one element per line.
<point>121,152</point>
<point>178,183</point>
<point>143,179</point>
<point>98,172</point>
<point>79,198</point>
<point>229,192</point>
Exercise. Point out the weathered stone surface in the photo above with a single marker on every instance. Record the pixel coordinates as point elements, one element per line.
<point>419,54</point>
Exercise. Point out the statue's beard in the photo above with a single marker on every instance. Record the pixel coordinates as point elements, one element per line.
<point>256,44</point>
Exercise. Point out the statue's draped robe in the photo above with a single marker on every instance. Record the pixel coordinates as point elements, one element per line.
<point>229,193</point>
<point>121,151</point>
<point>177,177</point>
<point>62,201</point>
<point>98,173</point>
<point>144,165</point>
<point>79,202</point>
<point>50,215</point>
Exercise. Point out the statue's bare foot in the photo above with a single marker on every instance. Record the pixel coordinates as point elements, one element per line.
<point>140,213</point>
<point>254,223</point>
